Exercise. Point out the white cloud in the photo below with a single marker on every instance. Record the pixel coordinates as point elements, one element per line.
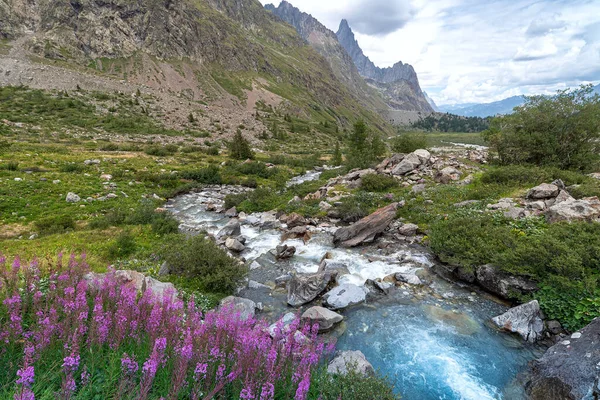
<point>478,50</point>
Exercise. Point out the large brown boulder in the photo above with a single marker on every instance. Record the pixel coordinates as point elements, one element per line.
<point>569,369</point>
<point>367,229</point>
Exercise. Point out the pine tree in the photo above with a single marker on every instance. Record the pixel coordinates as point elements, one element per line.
<point>337,155</point>
<point>239,147</point>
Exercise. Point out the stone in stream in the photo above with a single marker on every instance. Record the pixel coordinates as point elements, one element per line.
<point>348,361</point>
<point>322,316</point>
<point>232,212</point>
<point>284,252</point>
<point>245,307</point>
<point>345,295</point>
<point>568,371</point>
<point>303,289</point>
<point>282,327</point>
<point>367,229</point>
<point>232,228</point>
<point>294,220</point>
<point>411,279</point>
<point>525,320</point>
<point>234,245</point>
<point>299,232</point>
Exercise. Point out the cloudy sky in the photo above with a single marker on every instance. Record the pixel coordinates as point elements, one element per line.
<point>475,50</point>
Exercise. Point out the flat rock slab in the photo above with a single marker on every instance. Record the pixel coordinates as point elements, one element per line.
<point>367,229</point>
<point>345,295</point>
<point>322,316</point>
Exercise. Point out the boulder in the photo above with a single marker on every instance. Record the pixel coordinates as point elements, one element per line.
<point>424,155</point>
<point>345,295</point>
<point>568,371</point>
<point>294,220</point>
<point>333,266</point>
<point>563,196</point>
<point>503,284</point>
<point>282,327</point>
<point>543,191</point>
<point>284,252</point>
<point>418,188</point>
<point>525,320</point>
<point>367,229</point>
<point>411,279</point>
<point>232,212</point>
<point>299,232</point>
<point>408,164</point>
<point>587,209</point>
<point>408,229</point>
<point>233,228</point>
<point>348,361</point>
<point>136,279</point>
<point>322,316</point>
<point>324,206</point>
<point>72,198</point>
<point>447,175</point>
<point>303,289</point>
<point>245,307</point>
<point>234,245</point>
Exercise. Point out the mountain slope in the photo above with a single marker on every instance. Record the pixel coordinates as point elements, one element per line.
<point>326,43</point>
<point>431,102</point>
<point>230,52</point>
<point>398,84</point>
<point>486,109</point>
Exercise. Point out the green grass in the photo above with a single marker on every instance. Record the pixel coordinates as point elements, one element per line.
<point>437,139</point>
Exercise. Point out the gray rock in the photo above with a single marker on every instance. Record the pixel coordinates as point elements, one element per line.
<point>348,361</point>
<point>73,198</point>
<point>419,188</point>
<point>284,252</point>
<point>367,229</point>
<point>466,203</point>
<point>448,175</point>
<point>587,209</point>
<point>333,266</point>
<point>294,220</point>
<point>303,289</point>
<point>408,229</point>
<point>408,164</point>
<point>164,269</point>
<point>246,308</point>
<point>233,228</point>
<point>543,191</point>
<point>234,245</point>
<point>345,295</point>
<point>322,316</point>
<point>525,320</point>
<point>503,284</point>
<point>282,327</point>
<point>257,285</point>
<point>136,279</point>
<point>563,196</point>
<point>568,372</point>
<point>324,206</point>
<point>554,327</point>
<point>411,279</point>
<point>424,155</point>
<point>232,212</point>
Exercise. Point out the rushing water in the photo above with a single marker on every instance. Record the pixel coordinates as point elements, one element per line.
<point>434,342</point>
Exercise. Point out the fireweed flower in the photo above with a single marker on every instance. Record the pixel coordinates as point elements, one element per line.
<point>129,365</point>
<point>26,376</point>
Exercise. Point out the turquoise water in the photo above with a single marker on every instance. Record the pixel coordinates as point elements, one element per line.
<point>439,349</point>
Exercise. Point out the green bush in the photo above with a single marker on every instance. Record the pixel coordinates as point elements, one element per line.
<point>378,183</point>
<point>161,151</point>
<point>10,166</point>
<point>110,147</point>
<point>72,167</point>
<point>209,175</point>
<point>198,257</point>
<point>164,224</point>
<point>55,224</point>
<point>353,386</point>
<point>562,131</point>
<point>256,168</point>
<point>359,206</point>
<point>123,246</point>
<point>408,142</point>
<point>364,147</point>
<point>239,147</point>
<point>258,200</point>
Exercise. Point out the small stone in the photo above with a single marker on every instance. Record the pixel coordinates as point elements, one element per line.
<point>18,179</point>
<point>408,229</point>
<point>576,335</point>
<point>72,198</point>
<point>234,245</point>
<point>565,342</point>
<point>56,181</point>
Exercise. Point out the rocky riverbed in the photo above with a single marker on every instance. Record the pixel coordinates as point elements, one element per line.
<point>433,337</point>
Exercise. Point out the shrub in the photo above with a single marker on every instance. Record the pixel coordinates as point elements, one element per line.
<point>408,142</point>
<point>201,258</point>
<point>356,207</point>
<point>110,147</point>
<point>209,175</point>
<point>364,148</point>
<point>123,246</point>
<point>55,224</point>
<point>159,151</point>
<point>72,167</point>
<point>353,386</point>
<point>562,130</point>
<point>378,183</point>
<point>10,166</point>
<point>164,224</point>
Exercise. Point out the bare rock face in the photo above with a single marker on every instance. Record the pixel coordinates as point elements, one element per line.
<point>347,361</point>
<point>525,320</point>
<point>367,229</point>
<point>543,191</point>
<point>322,316</point>
<point>569,369</point>
<point>303,289</point>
